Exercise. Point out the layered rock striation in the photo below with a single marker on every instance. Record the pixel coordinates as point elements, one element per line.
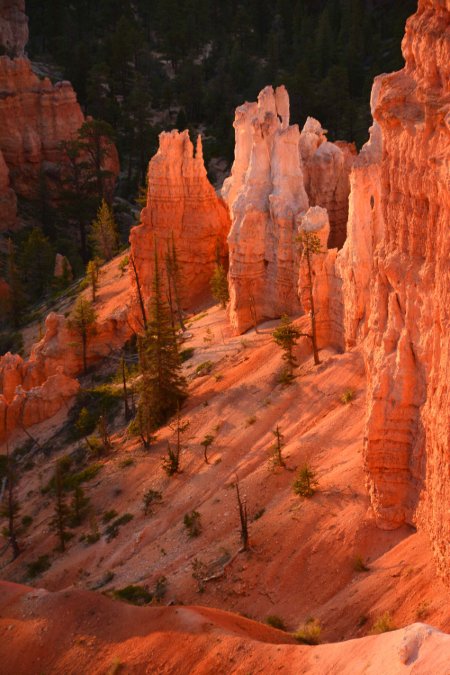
<point>277,174</point>
<point>408,336</point>
<point>182,212</point>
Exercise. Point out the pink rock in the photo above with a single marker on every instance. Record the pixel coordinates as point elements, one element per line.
<point>181,204</point>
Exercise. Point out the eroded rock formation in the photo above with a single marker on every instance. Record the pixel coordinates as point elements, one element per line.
<point>183,208</point>
<point>13,27</point>
<point>408,342</point>
<point>277,173</point>
<point>35,117</point>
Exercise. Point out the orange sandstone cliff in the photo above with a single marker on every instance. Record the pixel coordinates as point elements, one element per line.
<point>183,208</point>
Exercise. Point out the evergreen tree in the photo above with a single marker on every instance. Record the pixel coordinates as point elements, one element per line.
<point>309,246</point>
<point>15,303</point>
<point>79,506</point>
<point>163,387</point>
<point>92,274</point>
<point>10,506</point>
<point>60,520</point>
<point>82,322</point>
<point>104,234</point>
<point>286,336</point>
<point>174,280</point>
<point>37,264</point>
<point>219,285</point>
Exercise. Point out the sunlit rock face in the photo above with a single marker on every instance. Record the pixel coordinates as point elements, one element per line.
<point>184,211</point>
<point>13,27</point>
<point>397,282</point>
<point>277,174</point>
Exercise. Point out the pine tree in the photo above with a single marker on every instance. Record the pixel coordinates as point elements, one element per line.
<point>104,234</point>
<point>92,274</point>
<point>10,507</point>
<point>79,506</point>
<point>219,285</point>
<point>163,387</point>
<point>82,321</point>
<point>309,246</point>
<point>174,280</point>
<point>62,512</point>
<point>286,335</point>
<point>16,297</point>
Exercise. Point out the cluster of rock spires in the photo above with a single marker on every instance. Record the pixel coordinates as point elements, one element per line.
<point>386,288</point>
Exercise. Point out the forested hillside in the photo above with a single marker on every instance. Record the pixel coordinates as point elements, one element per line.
<point>143,66</point>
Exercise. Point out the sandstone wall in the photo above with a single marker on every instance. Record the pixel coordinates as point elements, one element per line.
<point>395,271</point>
<point>182,207</point>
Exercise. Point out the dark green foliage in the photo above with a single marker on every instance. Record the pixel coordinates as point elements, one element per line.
<point>206,442</point>
<point>276,622</point>
<point>219,286</point>
<point>109,515</point>
<point>306,482</point>
<point>39,566</point>
<point>135,595</point>
<point>90,405</point>
<point>163,387</point>
<point>79,507</point>
<point>112,530</point>
<point>192,523</point>
<point>37,263</point>
<point>325,52</point>
<point>82,322</point>
<point>60,520</point>
<point>150,499</point>
<point>286,336</point>
<point>186,354</point>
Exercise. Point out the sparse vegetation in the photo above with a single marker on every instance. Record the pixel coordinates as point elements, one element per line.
<point>112,530</point>
<point>186,354</point>
<point>276,622</point>
<point>286,336</point>
<point>347,396</point>
<point>309,632</point>
<point>204,368</point>
<point>306,482</point>
<point>199,571</point>
<point>422,611</point>
<point>250,420</point>
<point>108,516</point>
<point>135,595</point>
<point>219,286</point>
<point>359,564</point>
<point>192,523</point>
<point>151,498</point>
<point>309,246</point>
<point>383,624</point>
<point>39,566</point>
<point>82,322</point>
<point>276,448</point>
<point>205,443</point>
<point>259,514</point>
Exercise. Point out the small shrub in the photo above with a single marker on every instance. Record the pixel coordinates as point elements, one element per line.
<point>126,462</point>
<point>108,516</point>
<point>204,369</point>
<point>309,632</point>
<point>363,619</point>
<point>89,473</point>
<point>259,514</point>
<point>250,420</point>
<point>192,523</point>
<point>276,622</point>
<point>26,521</point>
<point>422,611</point>
<point>199,571</point>
<point>206,442</point>
<point>123,265</point>
<point>359,565</point>
<point>150,499</point>
<point>186,354</point>
<point>306,482</point>
<point>85,423</point>
<point>383,624</point>
<point>39,566</point>
<point>135,595</point>
<point>160,589</point>
<point>112,530</point>
<point>347,396</point>
<point>285,377</point>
